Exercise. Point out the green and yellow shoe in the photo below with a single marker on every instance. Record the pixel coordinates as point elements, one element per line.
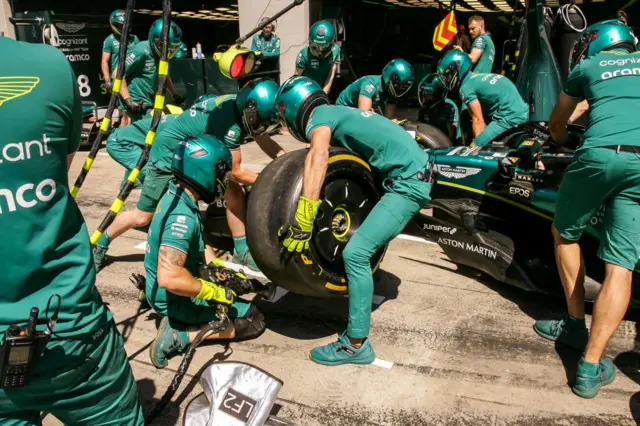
<point>568,331</point>
<point>591,377</point>
<point>342,352</point>
<point>168,342</point>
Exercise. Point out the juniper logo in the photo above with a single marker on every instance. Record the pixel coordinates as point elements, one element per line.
<point>618,73</point>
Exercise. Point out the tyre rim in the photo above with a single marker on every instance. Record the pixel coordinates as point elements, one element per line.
<point>345,206</point>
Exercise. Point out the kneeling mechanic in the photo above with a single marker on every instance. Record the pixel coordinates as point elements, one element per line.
<point>227,118</point>
<point>402,169</point>
<point>175,251</point>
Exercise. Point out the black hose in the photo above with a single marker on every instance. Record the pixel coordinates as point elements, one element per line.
<point>106,121</point>
<point>158,105</point>
<point>211,328</point>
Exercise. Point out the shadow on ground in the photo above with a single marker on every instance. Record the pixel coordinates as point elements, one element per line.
<point>306,318</point>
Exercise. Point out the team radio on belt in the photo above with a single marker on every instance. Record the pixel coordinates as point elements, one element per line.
<point>196,157</point>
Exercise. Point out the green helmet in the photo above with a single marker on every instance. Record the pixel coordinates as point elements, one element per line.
<point>256,104</point>
<point>203,162</point>
<point>453,68</point>
<point>606,35</point>
<point>322,36</point>
<point>397,77</point>
<point>173,42</point>
<point>431,91</point>
<point>116,20</point>
<point>182,52</point>
<point>295,100</point>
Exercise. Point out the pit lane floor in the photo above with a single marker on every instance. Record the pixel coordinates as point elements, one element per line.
<point>453,347</point>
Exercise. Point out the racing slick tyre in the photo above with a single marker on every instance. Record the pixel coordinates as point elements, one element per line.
<point>427,136</point>
<point>348,195</point>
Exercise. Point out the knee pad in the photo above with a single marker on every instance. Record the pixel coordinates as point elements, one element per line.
<point>251,326</point>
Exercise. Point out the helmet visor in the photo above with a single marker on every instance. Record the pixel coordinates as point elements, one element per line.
<point>172,48</point>
<point>397,87</point>
<point>449,77</point>
<point>581,47</point>
<point>117,28</point>
<point>320,50</point>
<point>254,125</point>
<point>428,99</point>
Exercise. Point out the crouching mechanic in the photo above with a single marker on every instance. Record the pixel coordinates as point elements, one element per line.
<point>608,164</point>
<point>399,163</point>
<point>141,66</point>
<point>379,93</point>
<point>438,110</point>
<point>175,250</point>
<point>227,118</point>
<point>489,97</point>
<point>83,376</point>
<point>125,145</point>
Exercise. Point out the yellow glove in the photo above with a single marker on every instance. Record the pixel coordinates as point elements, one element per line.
<point>216,293</point>
<point>296,236</point>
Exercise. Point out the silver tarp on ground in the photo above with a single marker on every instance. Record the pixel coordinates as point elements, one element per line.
<point>235,394</point>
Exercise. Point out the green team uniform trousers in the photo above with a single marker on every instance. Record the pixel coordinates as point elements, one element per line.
<point>387,219</point>
<point>83,382</point>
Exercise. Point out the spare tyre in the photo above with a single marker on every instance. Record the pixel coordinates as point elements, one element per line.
<point>427,135</point>
<point>348,194</point>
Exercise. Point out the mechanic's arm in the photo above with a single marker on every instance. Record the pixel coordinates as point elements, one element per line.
<point>477,120</point>
<point>390,111</point>
<point>238,174</point>
<point>475,55</point>
<point>581,108</point>
<point>453,127</point>
<point>269,146</point>
<point>104,66</point>
<point>329,82</point>
<point>171,87</point>
<point>560,116</point>
<point>316,163</point>
<point>124,90</point>
<point>173,276</point>
<point>299,71</point>
<point>364,103</point>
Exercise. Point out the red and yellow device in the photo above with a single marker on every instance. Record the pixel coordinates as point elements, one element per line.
<point>235,62</point>
<point>445,31</point>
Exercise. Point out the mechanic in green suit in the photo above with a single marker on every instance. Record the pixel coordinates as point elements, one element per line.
<point>438,110</point>
<point>379,93</point>
<point>139,85</point>
<point>489,97</point>
<point>399,164</point>
<point>483,50</point>
<point>320,60</point>
<point>228,118</point>
<point>175,250</point>
<point>125,145</point>
<point>111,48</point>
<point>605,171</point>
<point>266,42</point>
<point>83,376</point>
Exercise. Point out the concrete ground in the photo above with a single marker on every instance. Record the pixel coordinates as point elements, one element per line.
<point>453,347</point>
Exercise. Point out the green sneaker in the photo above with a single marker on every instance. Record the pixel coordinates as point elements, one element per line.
<point>245,259</point>
<point>167,343</point>
<point>341,352</point>
<point>100,257</point>
<point>591,377</point>
<point>568,331</point>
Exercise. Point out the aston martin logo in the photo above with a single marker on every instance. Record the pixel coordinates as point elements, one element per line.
<point>14,87</point>
<point>457,172</point>
<point>70,27</point>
